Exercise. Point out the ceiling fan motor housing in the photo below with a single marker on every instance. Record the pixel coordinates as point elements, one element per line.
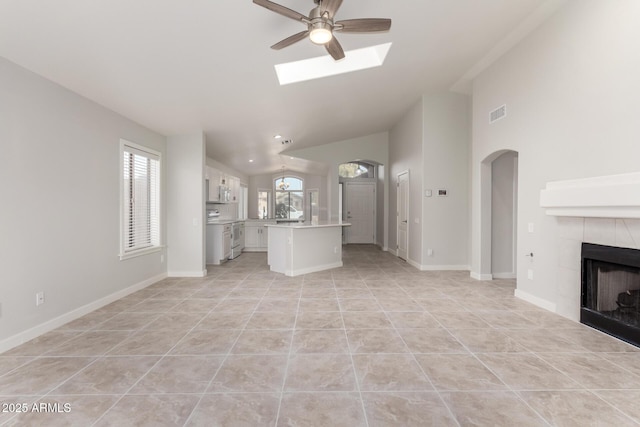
<point>320,27</point>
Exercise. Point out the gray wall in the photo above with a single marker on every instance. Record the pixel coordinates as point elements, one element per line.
<point>445,166</point>
<point>571,90</point>
<point>504,187</point>
<point>60,195</point>
<point>431,141</point>
<point>405,154</point>
<point>370,147</point>
<point>186,205</point>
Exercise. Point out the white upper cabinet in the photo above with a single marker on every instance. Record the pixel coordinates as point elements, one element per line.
<point>217,178</point>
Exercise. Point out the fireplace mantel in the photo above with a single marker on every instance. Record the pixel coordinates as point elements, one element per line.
<point>613,196</point>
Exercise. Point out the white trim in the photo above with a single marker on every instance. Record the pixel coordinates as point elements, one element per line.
<point>52,324</point>
<point>293,273</point>
<point>392,252</point>
<point>504,275</point>
<point>152,154</point>
<point>480,276</point>
<point>413,263</point>
<point>408,208</point>
<point>612,196</point>
<point>444,268</point>
<point>141,252</point>
<point>202,273</point>
<point>542,303</point>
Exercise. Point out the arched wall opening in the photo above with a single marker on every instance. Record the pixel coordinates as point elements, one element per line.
<point>498,215</point>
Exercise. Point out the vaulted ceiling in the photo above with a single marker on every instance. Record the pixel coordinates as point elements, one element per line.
<point>183,66</point>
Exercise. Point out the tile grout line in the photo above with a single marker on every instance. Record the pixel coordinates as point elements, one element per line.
<point>286,368</point>
<point>162,357</point>
<point>204,392</point>
<point>413,356</point>
<point>353,364</point>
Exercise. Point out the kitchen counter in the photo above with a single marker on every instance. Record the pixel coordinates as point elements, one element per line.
<point>309,224</point>
<point>303,248</point>
<point>222,221</point>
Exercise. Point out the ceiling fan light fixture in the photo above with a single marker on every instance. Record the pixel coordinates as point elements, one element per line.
<point>320,34</point>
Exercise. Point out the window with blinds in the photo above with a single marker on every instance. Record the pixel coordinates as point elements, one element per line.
<point>140,216</point>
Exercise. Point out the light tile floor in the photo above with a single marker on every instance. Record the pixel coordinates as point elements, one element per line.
<point>375,343</point>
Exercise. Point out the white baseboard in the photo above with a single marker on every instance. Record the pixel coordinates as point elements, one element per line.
<point>49,325</point>
<point>444,267</point>
<point>504,275</point>
<point>392,251</point>
<point>301,271</point>
<point>202,273</point>
<point>413,263</point>
<point>542,303</point>
<point>479,276</point>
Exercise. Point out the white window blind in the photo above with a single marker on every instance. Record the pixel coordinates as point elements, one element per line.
<point>141,199</point>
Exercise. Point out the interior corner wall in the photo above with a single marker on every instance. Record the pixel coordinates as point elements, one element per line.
<point>445,154</point>
<point>405,154</point>
<point>571,89</point>
<point>60,195</point>
<point>186,205</point>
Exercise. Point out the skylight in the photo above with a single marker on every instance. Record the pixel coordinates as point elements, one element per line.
<point>325,66</point>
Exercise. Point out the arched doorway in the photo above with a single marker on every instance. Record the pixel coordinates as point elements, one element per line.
<point>498,213</point>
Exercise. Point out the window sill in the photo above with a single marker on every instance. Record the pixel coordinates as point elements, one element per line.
<point>140,252</point>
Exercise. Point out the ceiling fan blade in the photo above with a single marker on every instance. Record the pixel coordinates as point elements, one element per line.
<point>334,49</point>
<point>290,40</point>
<point>330,6</point>
<point>285,11</point>
<point>364,25</point>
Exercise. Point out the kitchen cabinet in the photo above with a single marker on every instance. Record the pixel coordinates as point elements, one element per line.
<point>256,237</point>
<point>218,243</point>
<point>213,175</point>
<point>234,187</point>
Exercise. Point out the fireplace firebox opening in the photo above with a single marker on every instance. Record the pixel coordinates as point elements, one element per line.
<point>611,291</point>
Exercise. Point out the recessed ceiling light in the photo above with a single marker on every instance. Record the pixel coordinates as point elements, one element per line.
<point>324,66</point>
<point>250,160</point>
<point>277,136</point>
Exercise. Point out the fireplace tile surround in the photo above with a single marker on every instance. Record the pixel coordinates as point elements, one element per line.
<point>571,233</point>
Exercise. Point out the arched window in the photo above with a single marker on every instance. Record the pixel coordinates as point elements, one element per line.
<point>356,170</point>
<point>289,192</point>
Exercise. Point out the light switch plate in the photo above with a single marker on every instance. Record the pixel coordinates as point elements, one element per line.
<point>531,227</point>
<point>428,193</point>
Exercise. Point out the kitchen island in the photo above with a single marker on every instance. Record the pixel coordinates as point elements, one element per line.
<point>303,248</point>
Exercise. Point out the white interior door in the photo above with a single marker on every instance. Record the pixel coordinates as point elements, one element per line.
<point>403,214</point>
<point>360,202</point>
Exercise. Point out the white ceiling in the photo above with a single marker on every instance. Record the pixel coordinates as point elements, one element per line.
<point>182,66</point>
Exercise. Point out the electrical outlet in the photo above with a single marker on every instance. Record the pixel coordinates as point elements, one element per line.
<point>429,252</point>
<point>335,249</point>
<point>530,274</point>
<point>39,298</point>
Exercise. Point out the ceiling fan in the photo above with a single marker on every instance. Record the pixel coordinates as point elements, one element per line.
<point>321,25</point>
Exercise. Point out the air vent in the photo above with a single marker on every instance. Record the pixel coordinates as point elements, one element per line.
<point>287,141</point>
<point>498,113</point>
